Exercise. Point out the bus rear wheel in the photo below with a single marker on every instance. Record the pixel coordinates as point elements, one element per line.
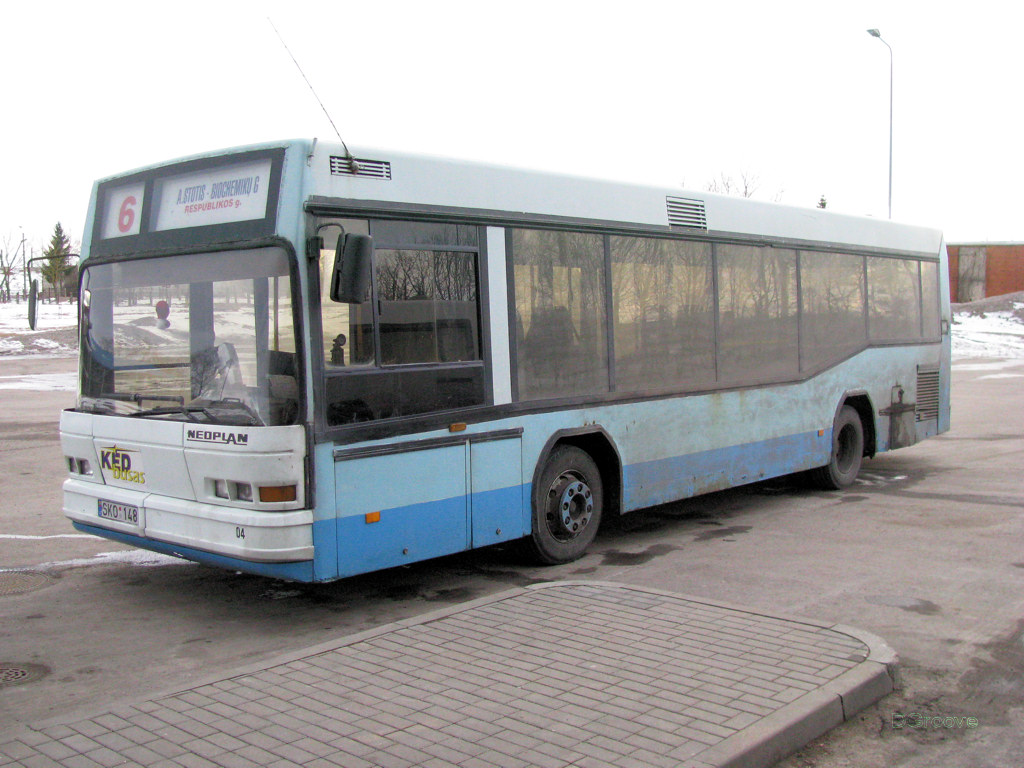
<point>847,452</point>
<point>567,504</point>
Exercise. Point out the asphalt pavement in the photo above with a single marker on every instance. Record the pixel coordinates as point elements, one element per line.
<point>102,643</point>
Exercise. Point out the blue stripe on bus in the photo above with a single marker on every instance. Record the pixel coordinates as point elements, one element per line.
<point>295,571</point>
<point>663,480</point>
<point>432,529</point>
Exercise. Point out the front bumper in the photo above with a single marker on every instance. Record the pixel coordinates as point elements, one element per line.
<point>261,537</point>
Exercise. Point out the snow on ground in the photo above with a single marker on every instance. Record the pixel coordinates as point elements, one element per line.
<point>41,382</point>
<point>56,333</point>
<point>992,327</point>
<point>14,316</point>
<point>138,557</point>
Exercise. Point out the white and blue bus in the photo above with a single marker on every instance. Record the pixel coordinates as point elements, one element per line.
<point>309,364</point>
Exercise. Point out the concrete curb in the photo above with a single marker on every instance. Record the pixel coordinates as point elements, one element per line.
<point>794,726</point>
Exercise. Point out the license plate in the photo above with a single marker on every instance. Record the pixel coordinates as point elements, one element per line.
<point>122,513</point>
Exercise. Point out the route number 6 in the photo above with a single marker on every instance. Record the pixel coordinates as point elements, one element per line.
<point>127,217</point>
<point>123,211</point>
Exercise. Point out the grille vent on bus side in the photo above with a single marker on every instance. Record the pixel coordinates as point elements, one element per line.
<point>927,406</point>
<point>683,212</point>
<point>373,169</point>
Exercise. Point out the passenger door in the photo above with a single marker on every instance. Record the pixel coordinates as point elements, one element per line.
<point>400,503</point>
<point>496,501</point>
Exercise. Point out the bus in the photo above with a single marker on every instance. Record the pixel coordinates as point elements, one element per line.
<point>308,363</point>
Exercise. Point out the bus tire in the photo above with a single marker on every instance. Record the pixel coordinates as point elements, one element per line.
<point>847,452</point>
<point>568,501</point>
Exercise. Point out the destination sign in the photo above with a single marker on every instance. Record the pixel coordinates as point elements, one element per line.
<point>221,195</point>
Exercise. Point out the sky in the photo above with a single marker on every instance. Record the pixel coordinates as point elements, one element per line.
<point>673,93</point>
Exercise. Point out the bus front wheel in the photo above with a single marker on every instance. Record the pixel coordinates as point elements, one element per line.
<point>847,452</point>
<point>567,504</point>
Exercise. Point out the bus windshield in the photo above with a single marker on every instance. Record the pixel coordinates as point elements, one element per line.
<point>206,338</point>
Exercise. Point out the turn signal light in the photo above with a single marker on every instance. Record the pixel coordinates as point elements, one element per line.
<point>272,493</point>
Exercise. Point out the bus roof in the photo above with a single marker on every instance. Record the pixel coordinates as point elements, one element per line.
<point>398,178</point>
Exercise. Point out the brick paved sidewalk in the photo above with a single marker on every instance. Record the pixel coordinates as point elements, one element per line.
<point>565,674</point>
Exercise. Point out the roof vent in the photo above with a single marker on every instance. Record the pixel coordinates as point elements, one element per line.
<point>373,169</point>
<point>683,212</point>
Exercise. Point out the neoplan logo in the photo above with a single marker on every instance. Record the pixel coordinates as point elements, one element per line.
<point>213,436</point>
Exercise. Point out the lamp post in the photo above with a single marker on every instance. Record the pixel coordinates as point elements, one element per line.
<point>876,33</point>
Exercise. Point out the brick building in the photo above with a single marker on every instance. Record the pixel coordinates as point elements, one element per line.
<point>977,270</point>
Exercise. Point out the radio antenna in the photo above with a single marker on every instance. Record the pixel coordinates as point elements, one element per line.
<point>354,166</point>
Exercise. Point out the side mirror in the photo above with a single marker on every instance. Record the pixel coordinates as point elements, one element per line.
<point>33,298</point>
<point>353,259</point>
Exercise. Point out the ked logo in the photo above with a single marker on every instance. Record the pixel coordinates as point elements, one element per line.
<point>122,464</point>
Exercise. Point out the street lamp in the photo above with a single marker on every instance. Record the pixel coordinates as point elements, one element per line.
<point>876,33</point>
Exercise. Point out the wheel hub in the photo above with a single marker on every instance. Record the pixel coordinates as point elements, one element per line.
<point>571,507</point>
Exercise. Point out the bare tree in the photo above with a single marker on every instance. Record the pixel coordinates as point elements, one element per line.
<point>6,270</point>
<point>8,256</point>
<point>725,184</point>
<point>749,183</point>
<point>747,186</point>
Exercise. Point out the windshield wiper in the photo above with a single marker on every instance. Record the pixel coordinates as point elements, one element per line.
<point>213,412</point>
<point>188,411</point>
<point>206,411</point>
<point>139,397</point>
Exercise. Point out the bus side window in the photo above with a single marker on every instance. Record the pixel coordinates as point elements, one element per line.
<point>425,302</point>
<point>347,328</point>
<point>428,306</point>
<point>560,301</point>
<point>894,299</point>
